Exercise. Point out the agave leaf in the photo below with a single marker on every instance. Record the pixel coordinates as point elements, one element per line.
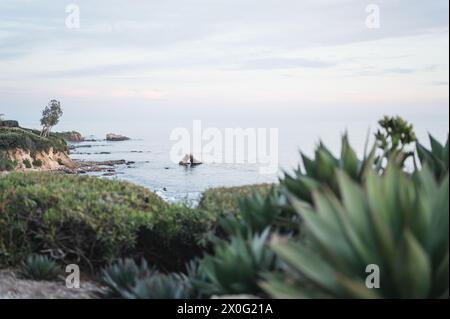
<point>349,159</point>
<point>380,221</point>
<point>327,232</point>
<point>439,223</point>
<point>278,288</point>
<point>328,153</point>
<point>310,166</point>
<point>368,163</point>
<point>424,154</point>
<point>302,186</point>
<point>446,153</point>
<point>364,255</point>
<point>325,168</point>
<point>420,216</point>
<point>316,270</point>
<point>353,200</point>
<point>436,148</point>
<point>390,186</point>
<point>413,268</point>
<point>441,276</point>
<point>357,288</point>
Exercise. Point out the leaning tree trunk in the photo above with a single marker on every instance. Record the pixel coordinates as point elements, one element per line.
<point>45,131</point>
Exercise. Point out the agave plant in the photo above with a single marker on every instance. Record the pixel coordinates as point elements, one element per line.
<point>128,280</point>
<point>320,172</point>
<point>161,286</point>
<point>396,222</point>
<point>235,266</point>
<point>121,278</point>
<point>436,158</point>
<point>39,267</point>
<point>257,212</point>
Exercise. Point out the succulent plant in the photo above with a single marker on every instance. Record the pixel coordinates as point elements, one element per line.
<point>160,286</point>
<point>129,280</point>
<point>393,138</point>
<point>397,222</point>
<point>256,213</point>
<point>236,264</point>
<point>320,172</point>
<point>121,277</point>
<point>436,158</point>
<point>395,133</point>
<point>39,267</point>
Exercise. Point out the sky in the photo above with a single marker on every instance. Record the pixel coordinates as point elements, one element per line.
<point>148,60</point>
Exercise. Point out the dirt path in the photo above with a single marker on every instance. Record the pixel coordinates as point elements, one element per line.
<point>12,287</point>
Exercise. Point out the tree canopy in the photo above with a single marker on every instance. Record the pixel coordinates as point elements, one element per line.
<point>50,116</point>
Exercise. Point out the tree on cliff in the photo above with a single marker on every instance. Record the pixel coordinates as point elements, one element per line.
<point>50,116</point>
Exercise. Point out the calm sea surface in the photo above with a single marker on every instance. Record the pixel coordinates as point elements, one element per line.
<point>149,149</point>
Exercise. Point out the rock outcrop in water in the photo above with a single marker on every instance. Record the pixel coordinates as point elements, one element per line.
<point>72,136</point>
<point>116,137</point>
<point>184,161</point>
<point>194,161</point>
<point>189,159</point>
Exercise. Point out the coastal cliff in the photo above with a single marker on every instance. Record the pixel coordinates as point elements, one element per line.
<point>24,149</point>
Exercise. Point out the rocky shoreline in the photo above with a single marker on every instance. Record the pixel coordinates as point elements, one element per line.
<point>83,167</point>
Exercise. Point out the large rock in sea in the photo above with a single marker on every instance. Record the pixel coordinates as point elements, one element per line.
<point>116,137</point>
<point>72,136</point>
<point>9,123</point>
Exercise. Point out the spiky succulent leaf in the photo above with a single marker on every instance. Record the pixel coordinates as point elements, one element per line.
<point>39,267</point>
<point>395,221</point>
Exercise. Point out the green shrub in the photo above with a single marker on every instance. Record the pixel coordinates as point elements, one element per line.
<point>6,164</point>
<point>227,199</point>
<point>93,221</point>
<point>399,223</point>
<point>39,267</point>
<point>30,140</point>
<point>176,235</point>
<point>26,163</point>
<point>9,123</point>
<point>37,163</point>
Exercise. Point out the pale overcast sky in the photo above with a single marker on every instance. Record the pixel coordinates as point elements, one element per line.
<point>192,57</point>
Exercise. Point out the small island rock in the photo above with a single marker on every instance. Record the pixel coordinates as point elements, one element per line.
<point>116,137</point>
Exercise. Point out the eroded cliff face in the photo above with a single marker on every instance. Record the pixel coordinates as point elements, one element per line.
<point>50,160</point>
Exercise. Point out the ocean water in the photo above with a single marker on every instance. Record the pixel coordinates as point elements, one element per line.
<point>149,149</point>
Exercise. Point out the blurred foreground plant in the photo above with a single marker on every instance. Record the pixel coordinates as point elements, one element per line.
<point>395,221</point>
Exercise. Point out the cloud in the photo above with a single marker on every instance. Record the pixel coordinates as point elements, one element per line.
<point>188,48</point>
<point>440,83</point>
<point>372,71</point>
<point>147,94</point>
<point>284,63</point>
<point>223,23</point>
